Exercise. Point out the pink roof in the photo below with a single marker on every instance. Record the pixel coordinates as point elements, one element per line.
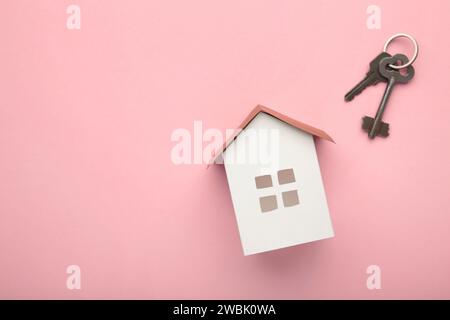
<point>259,108</point>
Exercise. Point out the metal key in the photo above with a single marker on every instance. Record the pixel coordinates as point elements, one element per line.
<point>375,126</point>
<point>372,77</point>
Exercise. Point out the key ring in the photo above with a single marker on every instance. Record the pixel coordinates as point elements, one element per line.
<point>416,49</point>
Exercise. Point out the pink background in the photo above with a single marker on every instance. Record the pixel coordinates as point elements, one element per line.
<point>86,176</point>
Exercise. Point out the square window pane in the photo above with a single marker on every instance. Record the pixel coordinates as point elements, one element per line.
<point>290,198</point>
<point>286,176</point>
<point>263,182</point>
<point>268,203</point>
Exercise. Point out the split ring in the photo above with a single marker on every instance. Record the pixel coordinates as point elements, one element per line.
<point>416,49</point>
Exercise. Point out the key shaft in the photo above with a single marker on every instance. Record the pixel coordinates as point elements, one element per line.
<point>382,107</point>
<point>372,77</point>
<point>375,126</point>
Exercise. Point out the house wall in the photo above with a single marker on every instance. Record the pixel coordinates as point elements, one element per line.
<point>282,147</point>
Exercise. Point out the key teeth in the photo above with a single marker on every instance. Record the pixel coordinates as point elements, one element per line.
<point>367,123</point>
<point>370,79</point>
<point>383,130</point>
<point>352,94</point>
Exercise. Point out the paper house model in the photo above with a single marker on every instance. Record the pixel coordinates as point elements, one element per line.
<point>275,182</point>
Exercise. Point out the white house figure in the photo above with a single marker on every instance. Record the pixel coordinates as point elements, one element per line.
<point>275,182</point>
